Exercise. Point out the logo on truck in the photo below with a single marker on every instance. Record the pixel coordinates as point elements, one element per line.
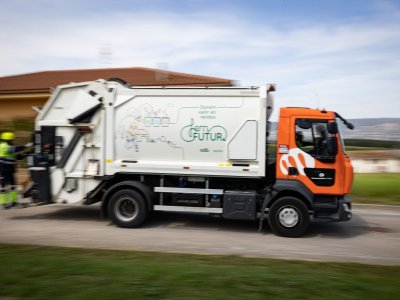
<point>203,133</point>
<point>296,158</point>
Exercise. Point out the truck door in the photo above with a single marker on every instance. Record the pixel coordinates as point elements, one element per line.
<point>312,156</point>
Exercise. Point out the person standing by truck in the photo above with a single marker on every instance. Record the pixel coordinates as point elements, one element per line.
<point>8,157</point>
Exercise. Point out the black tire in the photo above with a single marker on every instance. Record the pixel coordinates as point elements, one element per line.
<point>289,217</point>
<point>127,208</point>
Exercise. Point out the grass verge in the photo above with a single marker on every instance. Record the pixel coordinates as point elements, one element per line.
<point>376,189</point>
<point>35,272</point>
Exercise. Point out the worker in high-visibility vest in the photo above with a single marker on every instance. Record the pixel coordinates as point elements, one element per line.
<point>8,158</point>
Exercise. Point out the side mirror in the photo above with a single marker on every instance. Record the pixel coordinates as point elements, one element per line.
<point>304,124</point>
<point>332,145</point>
<point>332,127</point>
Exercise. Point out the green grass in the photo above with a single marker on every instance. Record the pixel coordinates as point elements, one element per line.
<point>372,143</point>
<point>376,189</point>
<point>359,148</point>
<point>33,272</point>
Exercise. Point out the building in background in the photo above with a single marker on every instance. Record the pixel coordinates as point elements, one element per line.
<point>19,93</point>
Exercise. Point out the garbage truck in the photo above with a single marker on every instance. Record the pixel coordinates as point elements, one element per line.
<point>190,149</point>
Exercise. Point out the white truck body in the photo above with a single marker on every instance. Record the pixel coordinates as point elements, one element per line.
<point>188,149</point>
<point>154,130</point>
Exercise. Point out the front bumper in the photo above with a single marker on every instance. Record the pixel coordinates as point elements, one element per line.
<point>341,212</point>
<point>344,210</point>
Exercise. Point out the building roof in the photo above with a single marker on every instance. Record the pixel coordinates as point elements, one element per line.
<point>43,81</point>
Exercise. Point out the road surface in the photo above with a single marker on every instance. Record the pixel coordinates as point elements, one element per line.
<point>372,236</point>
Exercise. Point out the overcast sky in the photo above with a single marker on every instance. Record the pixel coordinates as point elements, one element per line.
<point>337,55</point>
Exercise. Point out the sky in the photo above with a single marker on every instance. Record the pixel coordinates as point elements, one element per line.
<point>338,55</point>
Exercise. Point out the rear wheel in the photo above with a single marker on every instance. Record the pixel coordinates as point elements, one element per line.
<point>127,208</point>
<point>289,217</point>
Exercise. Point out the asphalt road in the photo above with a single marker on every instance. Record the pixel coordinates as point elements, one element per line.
<point>372,236</point>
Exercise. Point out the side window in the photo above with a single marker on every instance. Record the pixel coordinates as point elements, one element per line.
<point>312,137</point>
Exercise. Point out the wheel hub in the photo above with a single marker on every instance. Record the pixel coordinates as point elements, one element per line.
<point>288,217</point>
<point>126,209</point>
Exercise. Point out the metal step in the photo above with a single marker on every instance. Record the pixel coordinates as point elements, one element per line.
<point>215,210</point>
<point>161,189</point>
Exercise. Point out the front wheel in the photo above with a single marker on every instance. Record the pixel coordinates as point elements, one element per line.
<point>289,217</point>
<point>127,208</point>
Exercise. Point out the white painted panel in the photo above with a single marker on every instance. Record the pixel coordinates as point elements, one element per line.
<point>83,103</point>
<point>161,130</point>
<point>175,131</point>
<point>58,106</point>
<point>187,128</point>
<point>243,145</point>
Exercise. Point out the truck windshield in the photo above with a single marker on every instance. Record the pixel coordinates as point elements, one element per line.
<point>341,136</point>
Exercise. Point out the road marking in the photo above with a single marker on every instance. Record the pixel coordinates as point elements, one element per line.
<point>377,205</point>
<point>376,213</point>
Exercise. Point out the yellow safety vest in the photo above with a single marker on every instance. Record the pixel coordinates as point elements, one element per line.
<point>6,155</point>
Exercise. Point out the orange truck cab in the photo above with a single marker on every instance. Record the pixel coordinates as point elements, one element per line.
<point>313,172</point>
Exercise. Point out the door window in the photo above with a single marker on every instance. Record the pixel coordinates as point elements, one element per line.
<point>312,137</point>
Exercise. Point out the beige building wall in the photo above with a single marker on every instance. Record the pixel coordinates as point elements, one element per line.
<point>20,106</point>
